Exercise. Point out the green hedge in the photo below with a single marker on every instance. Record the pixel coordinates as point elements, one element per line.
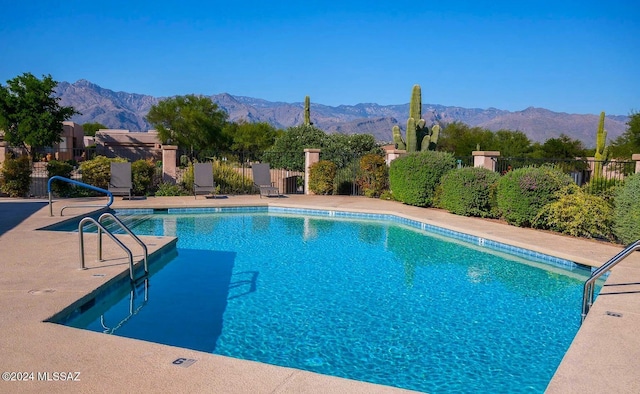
<point>577,213</point>
<point>373,177</point>
<point>469,191</point>
<point>523,192</point>
<point>321,177</point>
<point>626,211</point>
<point>142,172</point>
<point>16,176</point>
<point>413,178</point>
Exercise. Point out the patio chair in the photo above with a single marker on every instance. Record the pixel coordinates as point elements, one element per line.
<point>203,179</point>
<point>262,180</point>
<point>120,183</point>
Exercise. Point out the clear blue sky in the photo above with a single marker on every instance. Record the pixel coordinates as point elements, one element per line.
<point>566,56</point>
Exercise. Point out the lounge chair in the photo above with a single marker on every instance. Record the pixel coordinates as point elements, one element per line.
<point>262,180</point>
<point>203,179</point>
<point>120,183</point>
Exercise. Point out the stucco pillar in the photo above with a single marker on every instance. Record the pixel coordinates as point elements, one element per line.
<point>311,157</point>
<point>635,157</point>
<point>485,159</point>
<point>4,149</point>
<point>169,157</point>
<point>393,154</point>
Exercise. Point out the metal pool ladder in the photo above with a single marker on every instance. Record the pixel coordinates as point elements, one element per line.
<point>589,285</point>
<point>103,229</point>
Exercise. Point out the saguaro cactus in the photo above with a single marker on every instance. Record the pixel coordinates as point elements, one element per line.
<point>307,111</point>
<point>602,151</point>
<point>418,135</point>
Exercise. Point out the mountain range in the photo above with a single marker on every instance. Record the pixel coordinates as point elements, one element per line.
<point>122,110</point>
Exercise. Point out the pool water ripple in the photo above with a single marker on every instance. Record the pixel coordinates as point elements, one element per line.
<point>367,300</point>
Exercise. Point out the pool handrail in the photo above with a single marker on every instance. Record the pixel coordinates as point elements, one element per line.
<point>589,284</point>
<point>116,240</point>
<point>111,216</point>
<point>81,184</point>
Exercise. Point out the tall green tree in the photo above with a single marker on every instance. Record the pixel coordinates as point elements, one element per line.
<point>190,121</point>
<point>563,147</point>
<point>629,142</point>
<point>30,115</point>
<point>91,128</point>
<point>511,143</point>
<point>251,137</point>
<point>460,139</point>
<point>288,150</point>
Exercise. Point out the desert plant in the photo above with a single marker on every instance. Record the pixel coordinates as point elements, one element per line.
<point>169,190</point>
<point>626,211</point>
<point>63,169</point>
<point>228,180</point>
<point>413,178</point>
<point>307,111</point>
<point>321,177</point>
<point>469,191</point>
<point>602,151</point>
<point>419,137</point>
<point>523,192</point>
<point>373,177</point>
<point>16,176</point>
<point>576,213</point>
<point>142,172</point>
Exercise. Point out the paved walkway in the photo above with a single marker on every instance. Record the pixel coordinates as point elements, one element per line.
<point>39,277</point>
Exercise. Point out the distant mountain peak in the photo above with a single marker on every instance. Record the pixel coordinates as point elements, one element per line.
<point>122,110</point>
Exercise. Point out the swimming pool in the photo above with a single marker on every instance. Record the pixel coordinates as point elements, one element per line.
<point>367,297</point>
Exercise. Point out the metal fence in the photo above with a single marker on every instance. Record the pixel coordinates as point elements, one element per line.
<point>589,172</point>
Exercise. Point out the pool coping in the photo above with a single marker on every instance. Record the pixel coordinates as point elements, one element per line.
<point>26,302</point>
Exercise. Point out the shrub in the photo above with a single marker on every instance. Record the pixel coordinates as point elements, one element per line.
<point>188,178</point>
<point>578,214</point>
<point>63,169</point>
<point>603,187</point>
<point>413,178</point>
<point>321,177</point>
<point>626,211</point>
<point>229,180</point>
<point>142,172</point>
<point>469,191</point>
<point>16,176</point>
<point>523,192</point>
<point>169,190</point>
<point>373,177</point>
<point>97,171</point>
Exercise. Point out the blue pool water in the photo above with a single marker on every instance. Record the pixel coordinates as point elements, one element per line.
<point>370,300</point>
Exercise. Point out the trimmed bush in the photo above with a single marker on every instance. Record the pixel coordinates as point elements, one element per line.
<point>373,177</point>
<point>626,211</point>
<point>142,172</point>
<point>469,191</point>
<point>97,171</point>
<point>523,192</point>
<point>16,176</point>
<point>63,169</point>
<point>413,178</point>
<point>321,177</point>
<point>578,214</point>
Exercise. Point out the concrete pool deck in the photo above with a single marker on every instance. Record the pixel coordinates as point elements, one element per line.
<point>39,277</point>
